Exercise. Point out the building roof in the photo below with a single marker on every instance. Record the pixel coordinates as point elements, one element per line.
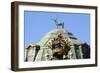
<point>53,33</point>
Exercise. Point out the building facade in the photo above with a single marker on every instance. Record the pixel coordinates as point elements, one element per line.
<point>57,44</point>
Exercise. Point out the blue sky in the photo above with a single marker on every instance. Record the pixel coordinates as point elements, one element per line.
<point>37,24</point>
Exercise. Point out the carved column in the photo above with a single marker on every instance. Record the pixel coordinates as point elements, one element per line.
<point>80,51</point>
<point>72,50</point>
